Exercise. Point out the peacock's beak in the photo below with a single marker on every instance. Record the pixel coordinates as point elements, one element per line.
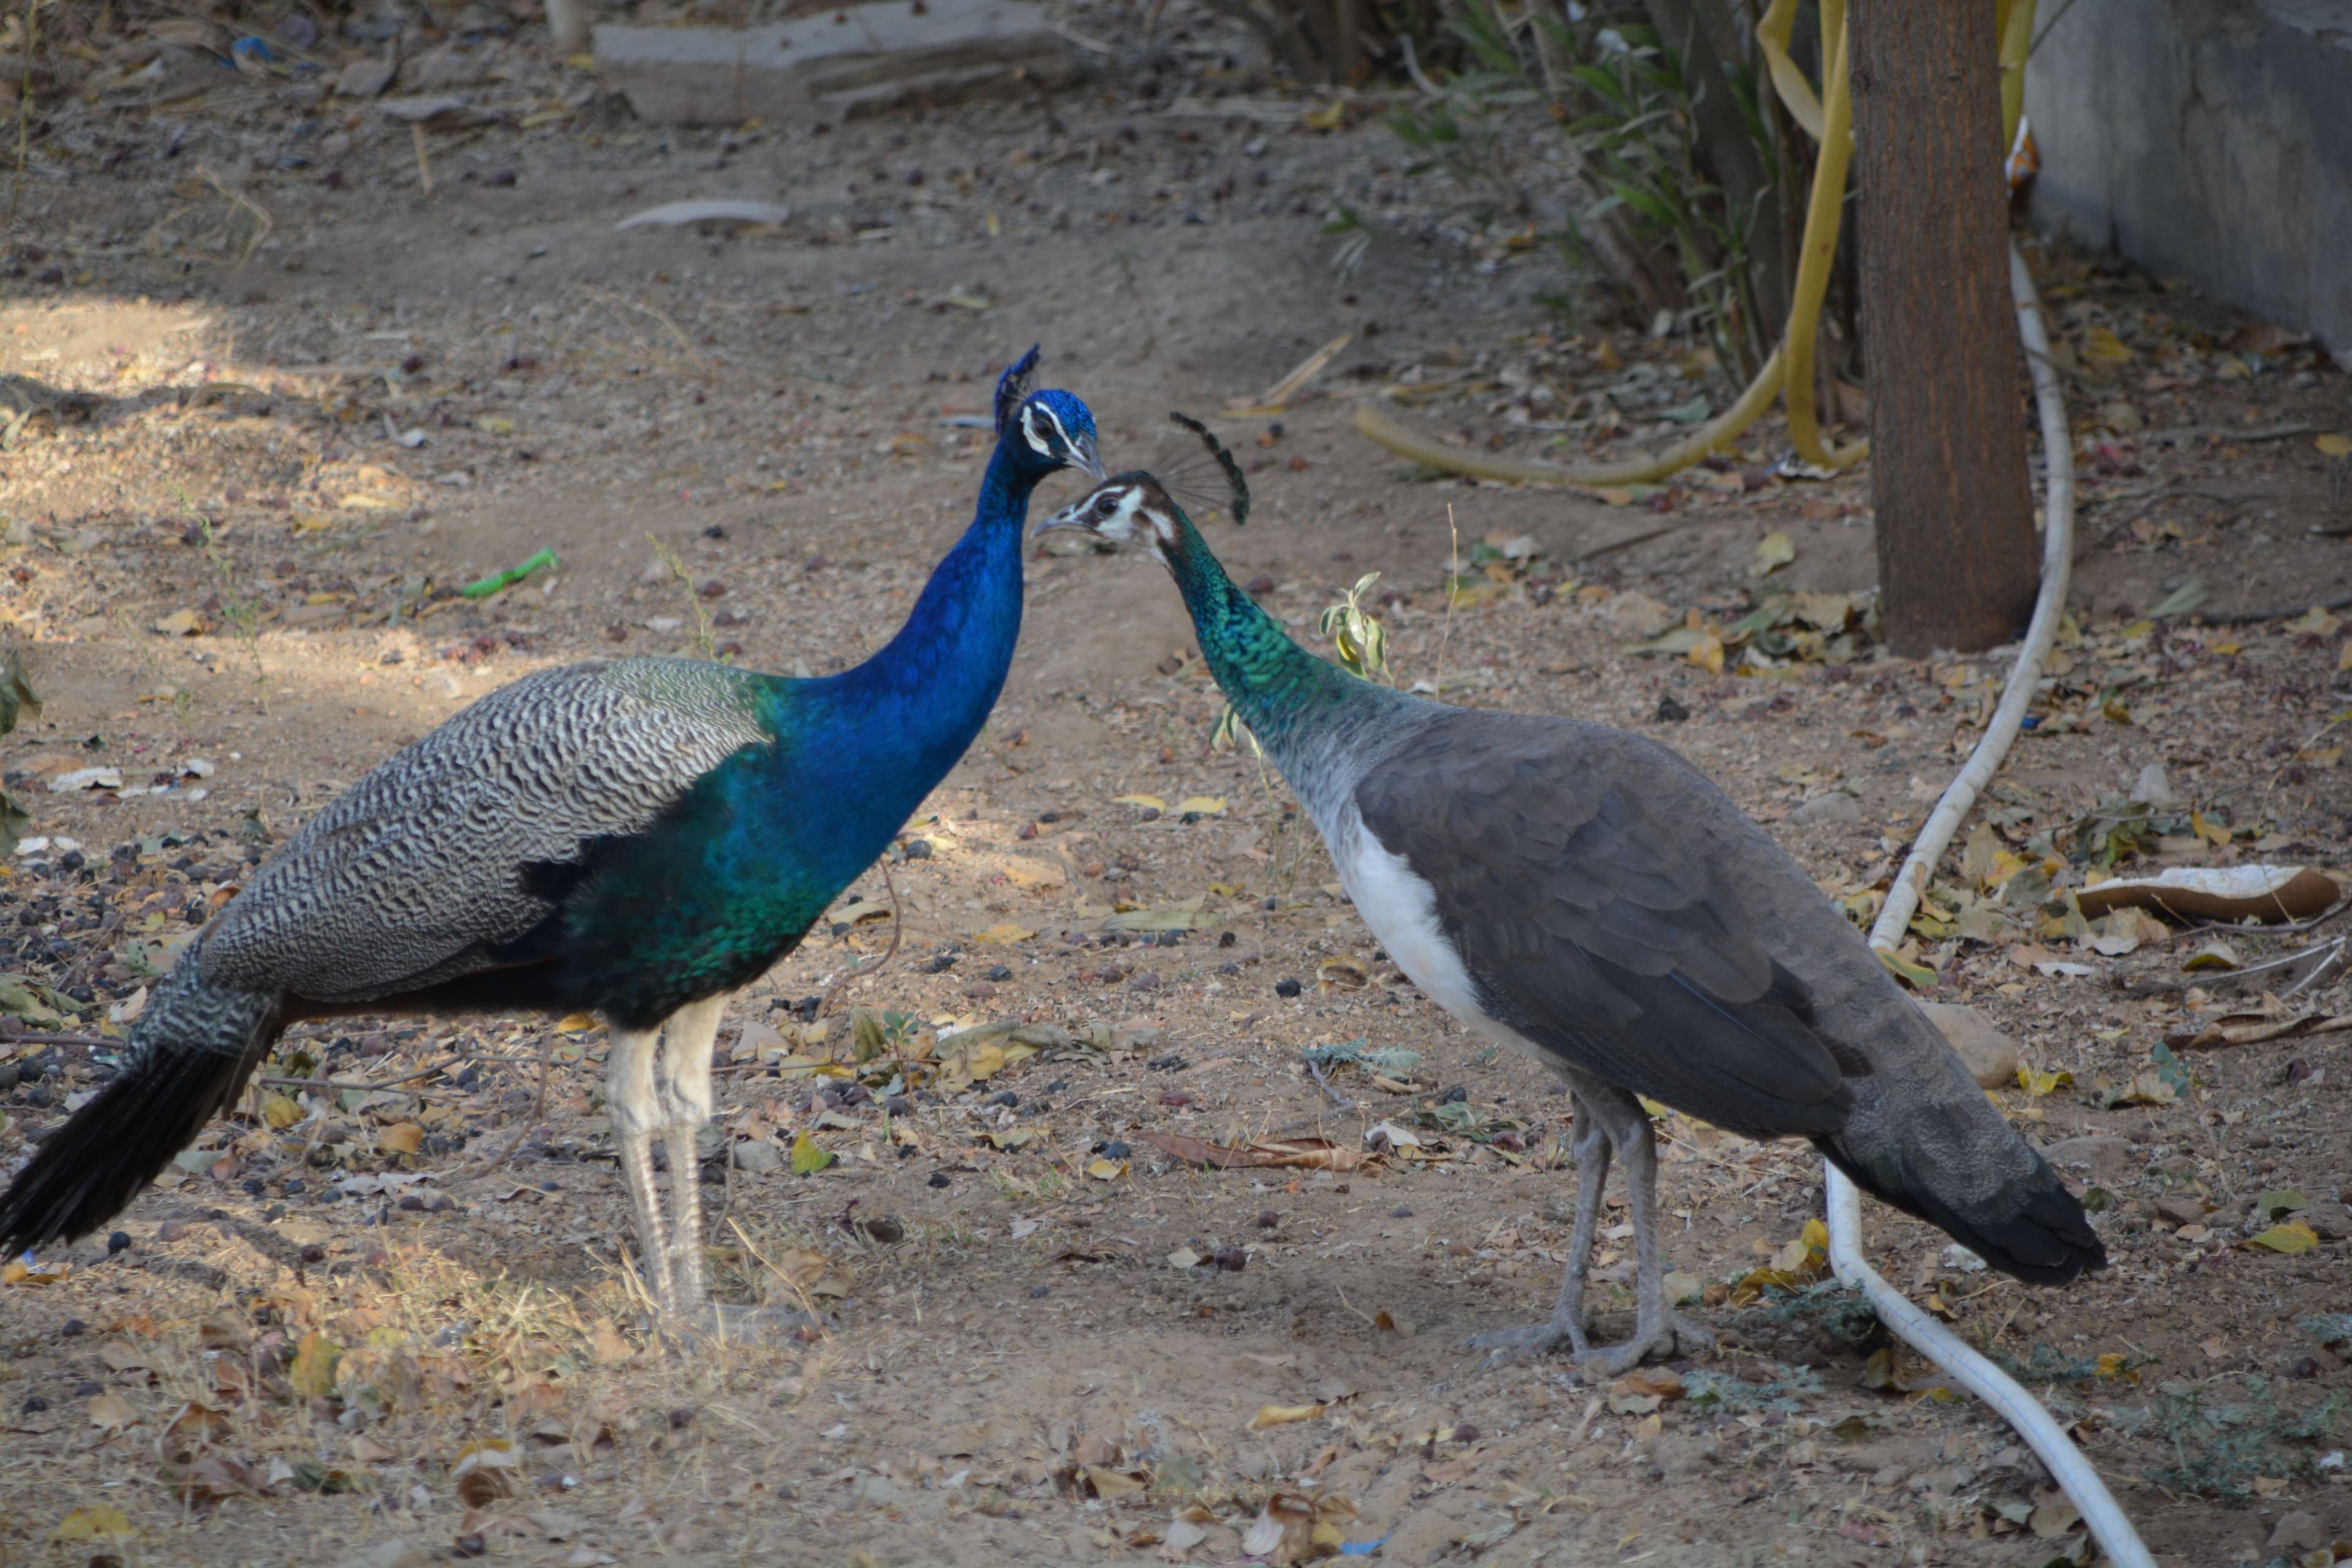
<point>1083,459</point>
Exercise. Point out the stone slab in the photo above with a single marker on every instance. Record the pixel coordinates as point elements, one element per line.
<point>2207,142</point>
<point>830,65</point>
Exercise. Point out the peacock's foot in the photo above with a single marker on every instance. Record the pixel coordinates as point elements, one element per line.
<point>710,1324</point>
<point>1504,1346</point>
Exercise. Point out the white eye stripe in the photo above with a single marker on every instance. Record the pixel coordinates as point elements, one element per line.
<point>1034,424</point>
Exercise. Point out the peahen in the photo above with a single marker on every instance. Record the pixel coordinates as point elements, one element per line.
<point>637,837</point>
<point>1589,896</point>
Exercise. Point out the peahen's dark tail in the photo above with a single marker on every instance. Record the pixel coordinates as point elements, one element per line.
<point>1950,1159</point>
<point>190,1054</point>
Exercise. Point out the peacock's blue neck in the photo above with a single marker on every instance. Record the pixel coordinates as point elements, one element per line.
<point>879,738</point>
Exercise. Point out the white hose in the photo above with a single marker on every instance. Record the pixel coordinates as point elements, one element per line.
<point>1907,1321</point>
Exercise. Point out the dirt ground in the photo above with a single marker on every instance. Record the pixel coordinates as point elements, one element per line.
<point>281,401</point>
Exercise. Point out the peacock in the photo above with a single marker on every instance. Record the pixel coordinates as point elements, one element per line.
<point>637,837</point>
<point>1589,896</point>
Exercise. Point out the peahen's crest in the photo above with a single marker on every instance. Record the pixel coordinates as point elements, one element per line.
<point>1189,476</point>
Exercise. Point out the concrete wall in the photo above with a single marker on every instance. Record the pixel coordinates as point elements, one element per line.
<point>2207,142</point>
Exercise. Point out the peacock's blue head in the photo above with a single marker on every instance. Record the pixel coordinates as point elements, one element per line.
<point>1046,430</point>
<point>1058,431</point>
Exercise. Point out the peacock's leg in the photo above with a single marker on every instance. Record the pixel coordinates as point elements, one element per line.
<point>1566,1325</point>
<point>691,1036</point>
<point>634,1103</point>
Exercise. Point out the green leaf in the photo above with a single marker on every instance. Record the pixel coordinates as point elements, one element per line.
<point>26,999</point>
<point>16,698</point>
<point>2181,600</point>
<point>2279,1201</point>
<point>1920,976</point>
<point>807,1158</point>
<point>2169,1069</point>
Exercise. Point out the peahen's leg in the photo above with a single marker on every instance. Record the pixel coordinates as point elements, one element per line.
<point>634,1105</point>
<point>1656,1326</point>
<point>1566,1325</point>
<point>689,1038</point>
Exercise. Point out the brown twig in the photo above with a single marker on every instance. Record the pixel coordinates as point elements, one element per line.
<point>367,1088</point>
<point>500,1158</point>
<point>2248,617</point>
<point>897,926</point>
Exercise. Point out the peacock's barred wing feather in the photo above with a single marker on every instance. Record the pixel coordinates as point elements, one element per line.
<point>423,866</point>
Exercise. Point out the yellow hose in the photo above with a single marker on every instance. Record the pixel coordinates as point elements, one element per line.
<point>1716,434</point>
<point>1822,221</point>
<point>1790,369</point>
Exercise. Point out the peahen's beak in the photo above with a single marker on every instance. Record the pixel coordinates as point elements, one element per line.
<point>1082,458</point>
<point>1069,519</point>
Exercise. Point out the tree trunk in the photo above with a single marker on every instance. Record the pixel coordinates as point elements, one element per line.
<point>1956,555</point>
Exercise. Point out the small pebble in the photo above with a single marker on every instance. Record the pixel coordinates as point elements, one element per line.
<point>72,1327</point>
<point>680,1418</point>
<point>1268,1219</point>
<point>1400,1212</point>
<point>1039,1292</point>
<point>1232,1260</point>
<point>470,1544</point>
<point>939,1179</point>
<point>1286,987</point>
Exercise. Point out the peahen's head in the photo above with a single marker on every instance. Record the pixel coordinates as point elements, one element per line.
<point>1126,509</point>
<point>1135,506</point>
<point>1044,431</point>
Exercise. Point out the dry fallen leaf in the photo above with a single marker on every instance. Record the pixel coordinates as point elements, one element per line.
<point>110,1412</point>
<point>97,1524</point>
<point>2290,1239</point>
<point>480,1474</point>
<point>312,1375</point>
<point>1282,1414</point>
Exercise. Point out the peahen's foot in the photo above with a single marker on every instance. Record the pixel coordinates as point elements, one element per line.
<point>1671,1338</point>
<point>1504,1346</point>
<point>1676,1336</point>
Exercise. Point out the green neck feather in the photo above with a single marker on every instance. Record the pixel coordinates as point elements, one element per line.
<point>1278,687</point>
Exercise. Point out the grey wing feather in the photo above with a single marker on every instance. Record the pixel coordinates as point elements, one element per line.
<point>1614,907</point>
<point>418,868</point>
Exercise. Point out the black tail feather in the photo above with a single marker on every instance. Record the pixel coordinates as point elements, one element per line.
<point>89,1169</point>
<point>2038,1233</point>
